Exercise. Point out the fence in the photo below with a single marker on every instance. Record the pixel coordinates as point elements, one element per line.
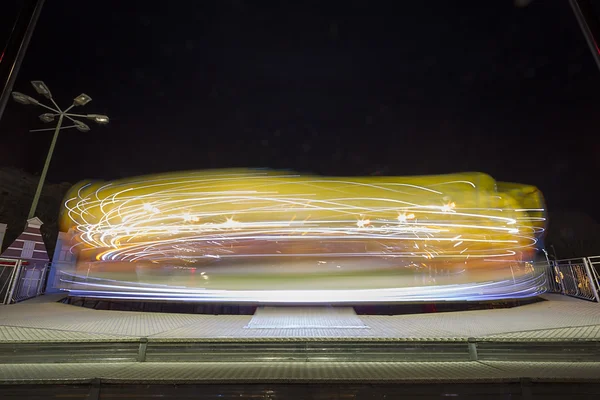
<point>576,277</point>
<point>20,281</point>
<point>594,263</point>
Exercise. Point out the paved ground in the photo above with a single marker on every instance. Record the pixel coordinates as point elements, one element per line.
<point>110,344</point>
<point>44,319</point>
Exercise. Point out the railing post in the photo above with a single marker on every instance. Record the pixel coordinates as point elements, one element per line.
<point>472,345</point>
<point>14,282</point>
<point>553,281</point>
<point>142,350</point>
<point>31,273</point>
<point>562,280</point>
<point>40,287</point>
<point>557,278</point>
<point>593,283</point>
<point>593,270</point>
<point>11,277</point>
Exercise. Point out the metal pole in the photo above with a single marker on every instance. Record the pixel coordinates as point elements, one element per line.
<point>13,69</point>
<point>589,26</point>
<point>15,281</point>
<point>40,287</point>
<point>38,191</point>
<point>592,280</point>
<point>10,280</point>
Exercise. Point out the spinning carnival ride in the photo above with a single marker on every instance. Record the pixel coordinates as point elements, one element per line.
<point>276,237</point>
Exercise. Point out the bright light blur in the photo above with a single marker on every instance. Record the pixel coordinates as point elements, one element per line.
<point>266,236</point>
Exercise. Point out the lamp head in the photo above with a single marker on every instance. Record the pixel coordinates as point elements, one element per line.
<point>23,98</point>
<point>42,89</point>
<point>82,100</point>
<point>81,127</point>
<point>99,118</point>
<point>47,117</point>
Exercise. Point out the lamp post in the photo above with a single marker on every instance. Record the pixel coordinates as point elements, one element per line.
<point>81,100</point>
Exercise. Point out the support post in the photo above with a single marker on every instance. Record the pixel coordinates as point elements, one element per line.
<point>593,283</point>
<point>590,27</point>
<point>14,282</point>
<point>472,343</point>
<point>142,349</point>
<point>14,53</point>
<point>40,287</point>
<point>40,185</point>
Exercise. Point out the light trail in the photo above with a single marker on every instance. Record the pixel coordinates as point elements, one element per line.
<point>230,221</point>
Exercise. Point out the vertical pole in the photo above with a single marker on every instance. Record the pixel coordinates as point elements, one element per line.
<point>16,49</point>
<point>40,287</point>
<point>589,25</point>
<point>558,272</point>
<point>594,272</point>
<point>14,282</point>
<point>549,272</point>
<point>574,280</point>
<point>38,191</point>
<point>32,273</point>
<point>593,282</point>
<point>11,277</point>
<point>472,346</point>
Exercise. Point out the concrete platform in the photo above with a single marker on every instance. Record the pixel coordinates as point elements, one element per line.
<point>43,319</point>
<point>554,339</point>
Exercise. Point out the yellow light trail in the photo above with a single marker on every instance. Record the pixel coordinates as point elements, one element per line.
<point>193,216</point>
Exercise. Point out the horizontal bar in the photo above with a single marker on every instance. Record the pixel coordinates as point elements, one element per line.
<point>287,350</point>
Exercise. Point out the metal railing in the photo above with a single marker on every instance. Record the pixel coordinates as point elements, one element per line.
<point>575,277</point>
<point>20,281</point>
<point>594,263</point>
<point>8,271</point>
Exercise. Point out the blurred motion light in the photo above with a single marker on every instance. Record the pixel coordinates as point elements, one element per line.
<point>23,98</point>
<point>82,100</point>
<point>47,117</point>
<point>81,127</point>
<point>99,118</point>
<point>42,89</point>
<point>272,237</point>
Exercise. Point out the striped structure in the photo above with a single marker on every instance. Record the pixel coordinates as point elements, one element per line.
<point>29,246</point>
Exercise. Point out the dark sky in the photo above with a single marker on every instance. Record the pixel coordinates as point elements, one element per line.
<point>332,87</point>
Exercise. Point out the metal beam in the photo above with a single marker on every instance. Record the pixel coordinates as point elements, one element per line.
<point>589,23</point>
<point>14,53</point>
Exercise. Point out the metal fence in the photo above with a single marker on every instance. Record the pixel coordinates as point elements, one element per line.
<point>20,281</point>
<point>594,263</point>
<point>576,277</point>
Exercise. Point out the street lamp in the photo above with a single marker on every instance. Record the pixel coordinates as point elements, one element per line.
<point>81,100</point>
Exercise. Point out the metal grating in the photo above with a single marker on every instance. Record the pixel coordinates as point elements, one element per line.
<point>305,318</point>
<point>570,333</point>
<point>10,334</point>
<point>560,318</point>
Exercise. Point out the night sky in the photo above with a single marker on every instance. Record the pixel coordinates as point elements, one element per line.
<point>330,87</point>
